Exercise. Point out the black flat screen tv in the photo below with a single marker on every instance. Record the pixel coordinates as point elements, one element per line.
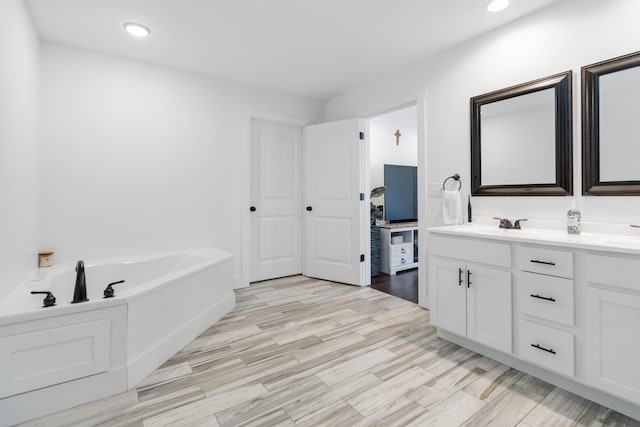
<point>400,193</point>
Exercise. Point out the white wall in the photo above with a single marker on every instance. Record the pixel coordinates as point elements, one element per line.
<point>18,144</point>
<point>568,35</point>
<point>140,158</point>
<point>383,148</point>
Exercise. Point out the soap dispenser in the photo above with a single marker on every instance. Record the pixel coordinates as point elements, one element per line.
<point>573,219</point>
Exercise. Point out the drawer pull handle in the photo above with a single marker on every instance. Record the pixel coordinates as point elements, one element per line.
<point>548,350</point>
<point>403,250</point>
<point>537,261</point>
<point>459,277</point>
<point>544,298</point>
<point>468,278</point>
<point>403,261</point>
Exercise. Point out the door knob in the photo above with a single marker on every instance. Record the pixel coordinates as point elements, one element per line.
<point>252,208</point>
<point>309,208</point>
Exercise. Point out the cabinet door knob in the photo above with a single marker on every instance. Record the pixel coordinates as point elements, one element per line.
<point>252,208</point>
<point>403,250</point>
<point>309,208</point>
<point>403,261</point>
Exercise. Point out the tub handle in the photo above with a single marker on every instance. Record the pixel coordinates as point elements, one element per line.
<point>49,300</point>
<point>109,292</point>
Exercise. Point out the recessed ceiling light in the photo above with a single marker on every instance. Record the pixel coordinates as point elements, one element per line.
<point>497,5</point>
<point>136,29</point>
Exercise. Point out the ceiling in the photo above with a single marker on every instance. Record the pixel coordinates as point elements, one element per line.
<point>311,48</point>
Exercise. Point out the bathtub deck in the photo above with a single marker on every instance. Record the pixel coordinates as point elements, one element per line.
<point>299,351</point>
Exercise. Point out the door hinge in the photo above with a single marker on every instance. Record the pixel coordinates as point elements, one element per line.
<point>362,196</point>
<point>361,135</point>
<point>361,257</point>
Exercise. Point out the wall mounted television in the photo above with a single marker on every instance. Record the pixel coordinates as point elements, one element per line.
<point>400,193</point>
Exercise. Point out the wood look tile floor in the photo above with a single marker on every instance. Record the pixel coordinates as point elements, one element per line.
<point>300,351</point>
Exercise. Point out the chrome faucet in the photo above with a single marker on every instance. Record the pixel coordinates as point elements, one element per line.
<point>80,291</point>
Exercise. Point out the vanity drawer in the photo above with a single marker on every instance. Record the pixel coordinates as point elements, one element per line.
<point>546,297</point>
<point>545,261</point>
<point>547,347</point>
<point>403,250</point>
<point>481,251</point>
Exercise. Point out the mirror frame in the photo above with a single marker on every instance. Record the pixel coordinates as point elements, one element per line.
<point>563,186</point>
<point>591,184</point>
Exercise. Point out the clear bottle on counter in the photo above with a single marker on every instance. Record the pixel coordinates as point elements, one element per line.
<point>573,219</point>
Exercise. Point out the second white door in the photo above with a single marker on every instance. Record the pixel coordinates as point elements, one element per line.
<point>334,216</point>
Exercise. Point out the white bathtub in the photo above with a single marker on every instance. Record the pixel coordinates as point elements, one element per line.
<point>56,357</point>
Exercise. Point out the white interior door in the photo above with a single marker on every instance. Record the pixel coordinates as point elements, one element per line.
<point>276,201</point>
<point>334,216</point>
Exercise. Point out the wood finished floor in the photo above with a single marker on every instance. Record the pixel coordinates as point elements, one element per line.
<point>403,284</point>
<point>300,351</point>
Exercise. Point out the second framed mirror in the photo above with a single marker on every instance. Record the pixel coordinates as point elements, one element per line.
<point>610,127</point>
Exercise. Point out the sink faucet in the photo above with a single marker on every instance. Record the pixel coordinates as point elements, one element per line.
<point>505,223</point>
<point>516,225</point>
<point>80,291</point>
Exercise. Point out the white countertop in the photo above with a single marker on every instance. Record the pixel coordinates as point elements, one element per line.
<point>629,244</point>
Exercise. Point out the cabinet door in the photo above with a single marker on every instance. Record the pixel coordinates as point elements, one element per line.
<point>449,305</point>
<point>489,307</point>
<point>613,347</point>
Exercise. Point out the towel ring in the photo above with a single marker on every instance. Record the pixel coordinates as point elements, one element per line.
<point>455,177</point>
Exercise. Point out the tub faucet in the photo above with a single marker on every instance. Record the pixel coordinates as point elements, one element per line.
<point>80,291</point>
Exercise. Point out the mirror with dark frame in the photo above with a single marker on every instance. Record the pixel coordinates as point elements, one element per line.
<point>521,139</point>
<point>611,127</point>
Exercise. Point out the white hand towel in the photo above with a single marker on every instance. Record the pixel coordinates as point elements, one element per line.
<point>452,207</point>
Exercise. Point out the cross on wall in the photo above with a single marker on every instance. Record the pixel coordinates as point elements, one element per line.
<point>397,135</point>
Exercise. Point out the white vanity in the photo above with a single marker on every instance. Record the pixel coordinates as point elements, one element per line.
<point>563,308</point>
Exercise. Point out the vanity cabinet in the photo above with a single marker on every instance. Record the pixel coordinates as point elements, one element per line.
<point>566,310</point>
<point>471,299</point>
<point>613,326</point>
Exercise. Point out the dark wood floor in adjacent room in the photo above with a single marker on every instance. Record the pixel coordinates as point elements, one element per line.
<point>403,284</point>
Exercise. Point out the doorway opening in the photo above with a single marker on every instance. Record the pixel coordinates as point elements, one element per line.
<point>393,162</point>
